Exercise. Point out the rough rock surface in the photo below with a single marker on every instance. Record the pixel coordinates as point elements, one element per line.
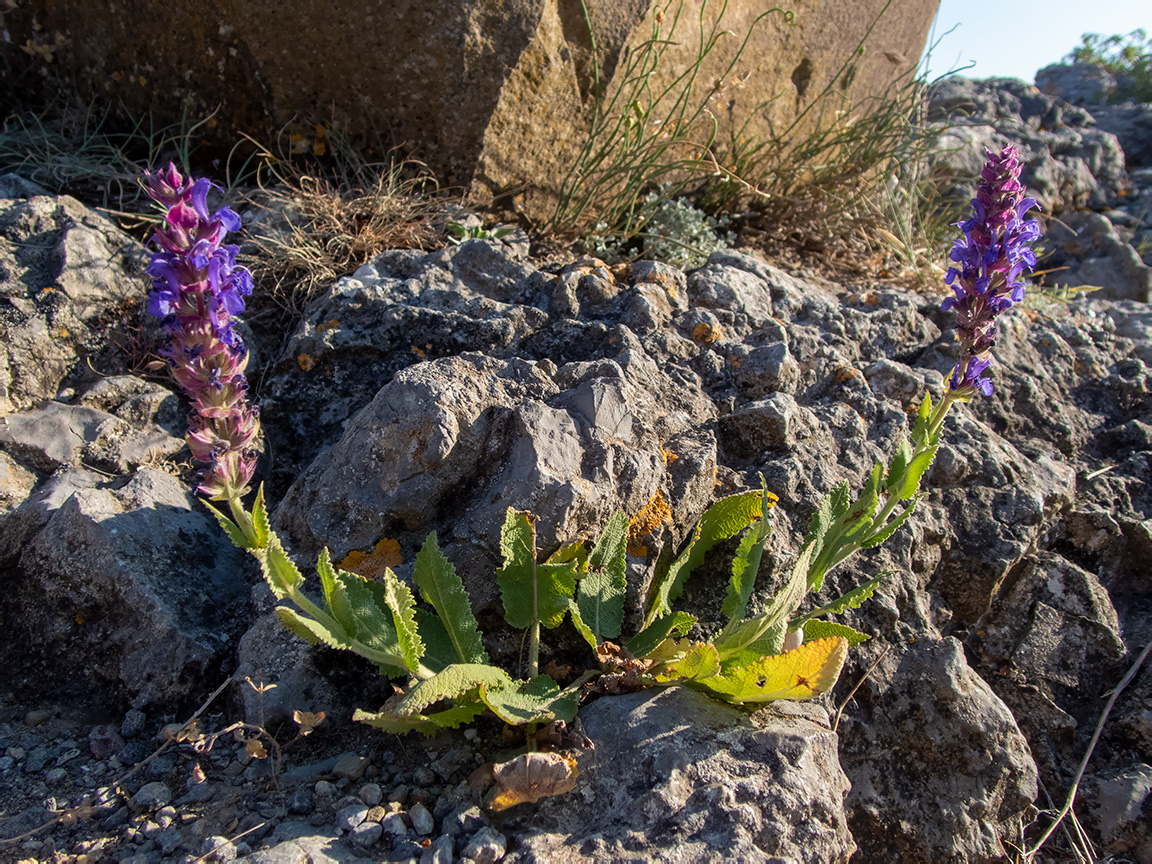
<point>676,776</point>
<point>499,98</point>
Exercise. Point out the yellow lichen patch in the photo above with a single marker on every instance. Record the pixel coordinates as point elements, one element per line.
<point>372,565</point>
<point>846,373</point>
<point>651,516</point>
<point>419,352</point>
<point>669,457</point>
<point>331,324</point>
<point>306,361</point>
<point>706,334</point>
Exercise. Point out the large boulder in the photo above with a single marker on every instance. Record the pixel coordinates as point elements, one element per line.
<point>491,95</point>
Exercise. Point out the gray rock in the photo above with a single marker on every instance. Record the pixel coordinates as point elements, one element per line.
<point>1131,123</point>
<point>693,778</point>
<point>168,840</point>
<point>63,267</point>
<point>300,802</point>
<point>218,849</point>
<point>349,817</point>
<point>394,824</point>
<point>1119,803</point>
<point>350,766</point>
<point>734,282</point>
<point>422,822</point>
<point>453,761</point>
<point>152,796</point>
<point>486,846</point>
<point>282,853</point>
<point>137,579</point>
<point>371,794</point>
<point>133,723</point>
<point>366,834</point>
<point>1077,83</point>
<point>776,422</point>
<point>974,779</point>
<point>1088,246</point>
<point>465,819</point>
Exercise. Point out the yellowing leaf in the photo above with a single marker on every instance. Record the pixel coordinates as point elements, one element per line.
<point>804,673</point>
<point>532,776</point>
<point>372,565</point>
<point>255,749</point>
<point>307,721</point>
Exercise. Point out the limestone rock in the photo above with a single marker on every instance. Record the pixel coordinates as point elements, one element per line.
<point>677,775</point>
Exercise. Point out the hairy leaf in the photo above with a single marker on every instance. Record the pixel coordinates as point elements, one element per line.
<point>746,564</point>
<point>814,629</point>
<point>578,622</point>
<point>659,630</point>
<point>601,592</point>
<point>537,700</point>
<point>920,463</point>
<point>530,777</point>
<point>804,673</point>
<point>442,589</point>
<point>898,467</point>
<point>726,518</point>
<point>452,682</point>
<point>570,553</point>
<point>308,629</point>
<point>770,642</point>
<point>402,604</point>
<point>530,591</point>
<point>365,604</point>
<point>427,724</point>
<point>893,524</point>
<point>230,528</point>
<point>279,571</point>
<point>260,519</point>
<point>439,652</point>
<point>327,576</point>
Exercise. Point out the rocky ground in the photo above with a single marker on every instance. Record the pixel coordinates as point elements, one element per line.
<point>428,391</point>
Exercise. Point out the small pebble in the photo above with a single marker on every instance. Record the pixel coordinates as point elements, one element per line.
<point>169,840</point>
<point>324,789</point>
<point>471,734</point>
<point>152,796</point>
<point>465,819</point>
<point>440,852</point>
<point>217,849</point>
<point>423,776</point>
<point>347,818</point>
<point>36,717</point>
<point>6,762</point>
<point>55,775</point>
<point>422,821</point>
<point>134,722</point>
<point>399,795</point>
<point>394,824</point>
<point>350,766</point>
<point>165,815</point>
<point>300,802</point>
<point>370,794</point>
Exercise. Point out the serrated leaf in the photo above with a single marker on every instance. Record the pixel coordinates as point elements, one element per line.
<point>402,604</point>
<point>390,722</point>
<point>600,594</point>
<point>659,630</point>
<point>327,576</point>
<point>280,573</point>
<point>815,629</point>
<point>457,715</point>
<point>535,701</point>
<point>781,607</point>
<point>260,519</point>
<point>920,463</point>
<point>699,661</point>
<point>365,605</point>
<point>230,528</point>
<point>530,591</point>
<point>726,518</point>
<point>770,642</point>
<point>898,467</point>
<point>804,673</point>
<point>452,682</point>
<point>920,430</point>
<point>442,589</point>
<point>851,600</point>
<point>746,563</point>
<point>893,524</point>
<point>570,553</point>
<point>582,628</point>
<point>439,652</point>
<point>308,629</point>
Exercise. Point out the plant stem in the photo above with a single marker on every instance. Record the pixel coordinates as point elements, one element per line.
<point>534,649</point>
<point>243,520</point>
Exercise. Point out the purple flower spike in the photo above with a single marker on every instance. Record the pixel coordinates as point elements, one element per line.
<point>991,259</point>
<point>197,289</point>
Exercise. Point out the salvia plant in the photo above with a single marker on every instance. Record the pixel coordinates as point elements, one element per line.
<point>436,649</point>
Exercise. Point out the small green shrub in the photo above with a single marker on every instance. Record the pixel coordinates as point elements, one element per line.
<point>1128,58</point>
<point>672,230</point>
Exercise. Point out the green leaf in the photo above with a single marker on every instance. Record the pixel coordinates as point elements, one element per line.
<point>770,642</point>
<point>279,571</point>
<point>530,591</point>
<point>442,589</point>
<point>537,700</point>
<point>308,629</point>
<point>804,673</point>
<point>726,518</point>
<point>452,682</point>
<point>365,605</point>
<point>230,528</point>
<point>888,530</point>
<point>396,725</point>
<point>898,467</point>
<point>439,652</point>
<point>659,630</point>
<point>600,595</point>
<point>578,622</point>
<point>920,463</point>
<point>700,661</point>
<point>402,604</point>
<point>260,519</point>
<point>920,430</point>
<point>781,607</point>
<point>327,576</point>
<point>457,715</point>
<point>823,629</point>
<point>852,600</point>
<point>570,553</point>
<point>746,564</point>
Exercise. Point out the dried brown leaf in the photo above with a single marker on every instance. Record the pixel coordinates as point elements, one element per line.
<point>532,776</point>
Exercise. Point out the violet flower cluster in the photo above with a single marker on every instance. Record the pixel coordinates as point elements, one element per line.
<point>991,259</point>
<point>197,289</point>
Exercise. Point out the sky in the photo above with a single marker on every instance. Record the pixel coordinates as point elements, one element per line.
<point>1015,38</point>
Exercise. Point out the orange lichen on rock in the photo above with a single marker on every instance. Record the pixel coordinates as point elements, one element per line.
<point>706,334</point>
<point>372,565</point>
<point>306,361</point>
<point>651,516</point>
